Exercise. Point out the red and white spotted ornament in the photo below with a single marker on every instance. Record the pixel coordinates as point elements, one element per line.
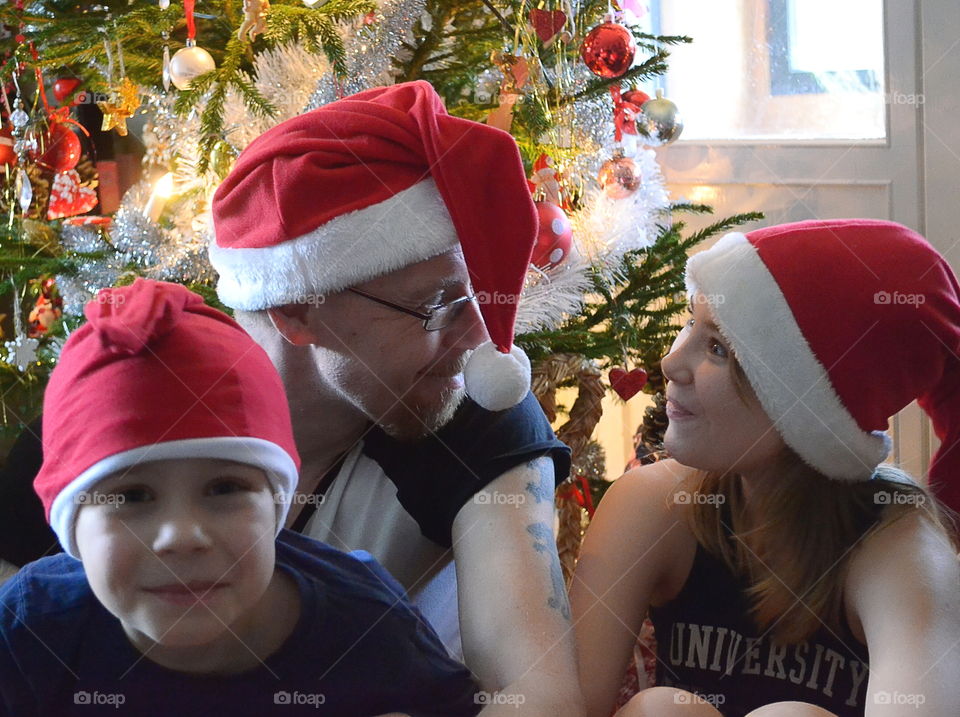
<point>554,239</point>
<point>68,197</point>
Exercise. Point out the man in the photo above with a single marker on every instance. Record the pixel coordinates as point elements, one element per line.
<point>351,240</point>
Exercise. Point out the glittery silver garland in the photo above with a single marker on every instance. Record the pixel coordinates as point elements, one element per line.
<point>369,50</point>
<point>170,252</point>
<point>93,275</point>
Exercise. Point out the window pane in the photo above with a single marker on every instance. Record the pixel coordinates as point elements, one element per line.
<point>776,69</point>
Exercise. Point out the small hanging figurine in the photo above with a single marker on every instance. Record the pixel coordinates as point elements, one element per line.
<point>254,19</point>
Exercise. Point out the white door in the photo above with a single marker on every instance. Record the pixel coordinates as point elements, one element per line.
<point>909,171</point>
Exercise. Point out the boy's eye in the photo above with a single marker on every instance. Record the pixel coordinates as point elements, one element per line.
<point>689,324</point>
<point>227,486</point>
<point>134,494</point>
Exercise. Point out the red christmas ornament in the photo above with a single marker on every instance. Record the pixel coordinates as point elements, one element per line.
<point>64,87</point>
<point>608,50</point>
<point>619,177</point>
<point>7,155</point>
<point>554,238</point>
<point>627,384</point>
<point>547,23</point>
<point>636,97</point>
<point>68,197</point>
<point>61,148</point>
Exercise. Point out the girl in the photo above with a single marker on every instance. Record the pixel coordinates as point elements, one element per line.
<point>786,571</point>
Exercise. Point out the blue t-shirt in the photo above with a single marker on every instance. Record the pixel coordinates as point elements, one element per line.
<point>359,648</point>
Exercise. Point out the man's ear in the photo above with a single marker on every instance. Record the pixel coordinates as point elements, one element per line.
<point>292,322</point>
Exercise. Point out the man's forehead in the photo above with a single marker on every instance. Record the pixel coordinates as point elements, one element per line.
<point>442,270</point>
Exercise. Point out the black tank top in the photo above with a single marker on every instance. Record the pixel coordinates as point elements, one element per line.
<point>707,644</point>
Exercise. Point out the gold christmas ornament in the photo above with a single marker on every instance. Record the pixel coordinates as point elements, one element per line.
<point>123,103</point>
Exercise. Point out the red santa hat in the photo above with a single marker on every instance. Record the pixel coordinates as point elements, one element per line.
<point>370,184</point>
<point>839,324</point>
<point>156,374</point>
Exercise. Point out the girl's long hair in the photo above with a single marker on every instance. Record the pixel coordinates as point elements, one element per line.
<point>796,556</point>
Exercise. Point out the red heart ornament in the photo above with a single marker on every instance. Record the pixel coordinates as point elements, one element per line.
<point>68,197</point>
<point>627,384</point>
<point>547,23</point>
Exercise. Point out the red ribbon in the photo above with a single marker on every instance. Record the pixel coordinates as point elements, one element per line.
<point>580,494</point>
<point>188,6</point>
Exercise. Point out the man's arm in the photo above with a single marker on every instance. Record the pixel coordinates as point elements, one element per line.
<point>514,614</point>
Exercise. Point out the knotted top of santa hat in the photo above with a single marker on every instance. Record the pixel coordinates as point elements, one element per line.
<point>156,374</point>
<point>370,184</point>
<point>839,324</point>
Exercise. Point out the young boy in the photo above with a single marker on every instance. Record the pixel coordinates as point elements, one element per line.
<point>169,467</point>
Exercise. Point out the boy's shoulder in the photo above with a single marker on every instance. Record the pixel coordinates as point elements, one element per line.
<point>41,610</point>
<point>48,587</point>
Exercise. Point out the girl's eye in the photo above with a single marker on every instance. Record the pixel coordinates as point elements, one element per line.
<point>718,349</point>
<point>689,324</point>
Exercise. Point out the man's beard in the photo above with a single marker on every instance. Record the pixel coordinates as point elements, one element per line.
<point>410,422</point>
<point>418,416</point>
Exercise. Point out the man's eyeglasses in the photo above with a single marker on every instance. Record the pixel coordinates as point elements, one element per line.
<point>436,317</point>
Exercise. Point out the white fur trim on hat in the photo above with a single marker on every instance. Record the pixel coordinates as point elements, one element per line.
<point>496,380</point>
<point>791,383</point>
<point>411,226</point>
<point>279,466</point>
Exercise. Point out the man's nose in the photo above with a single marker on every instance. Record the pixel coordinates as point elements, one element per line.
<point>467,331</point>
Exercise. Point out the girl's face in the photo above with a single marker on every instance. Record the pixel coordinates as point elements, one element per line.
<point>714,424</point>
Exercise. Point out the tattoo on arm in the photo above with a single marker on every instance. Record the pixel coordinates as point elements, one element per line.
<point>542,489</point>
<point>542,542</point>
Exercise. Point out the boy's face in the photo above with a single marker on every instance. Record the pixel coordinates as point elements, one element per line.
<point>180,551</point>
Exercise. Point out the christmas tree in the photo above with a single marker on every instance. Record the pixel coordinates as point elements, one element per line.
<point>571,81</point>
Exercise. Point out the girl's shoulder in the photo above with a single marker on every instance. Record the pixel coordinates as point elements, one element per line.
<point>660,490</point>
<point>645,513</point>
<point>907,556</point>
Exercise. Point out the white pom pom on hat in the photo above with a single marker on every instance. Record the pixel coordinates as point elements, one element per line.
<point>497,380</point>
